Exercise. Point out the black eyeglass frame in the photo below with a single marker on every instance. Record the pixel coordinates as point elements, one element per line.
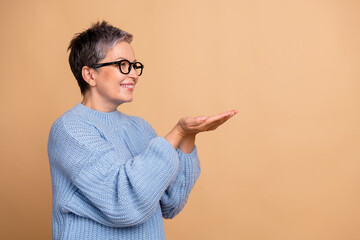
<point>131,64</point>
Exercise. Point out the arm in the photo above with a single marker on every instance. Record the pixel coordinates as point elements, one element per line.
<point>110,190</point>
<point>176,195</point>
<point>187,144</point>
<point>183,137</point>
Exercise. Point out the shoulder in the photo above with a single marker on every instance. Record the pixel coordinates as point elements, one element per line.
<point>68,118</point>
<point>74,132</point>
<point>72,123</point>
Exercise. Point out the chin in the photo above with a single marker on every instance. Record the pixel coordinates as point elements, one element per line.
<point>124,101</point>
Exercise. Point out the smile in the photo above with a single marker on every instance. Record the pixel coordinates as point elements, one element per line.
<point>131,86</point>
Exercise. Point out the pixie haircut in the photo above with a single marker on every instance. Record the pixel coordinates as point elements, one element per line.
<point>90,47</point>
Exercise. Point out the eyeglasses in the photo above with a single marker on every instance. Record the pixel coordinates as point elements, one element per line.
<point>124,66</point>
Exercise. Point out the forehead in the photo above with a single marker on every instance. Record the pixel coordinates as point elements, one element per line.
<point>121,50</point>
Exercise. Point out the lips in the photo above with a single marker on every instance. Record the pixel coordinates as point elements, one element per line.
<point>127,85</point>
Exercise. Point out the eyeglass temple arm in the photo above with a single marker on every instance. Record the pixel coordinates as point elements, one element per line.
<point>104,64</point>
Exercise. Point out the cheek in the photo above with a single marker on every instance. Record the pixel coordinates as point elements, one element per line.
<point>112,80</point>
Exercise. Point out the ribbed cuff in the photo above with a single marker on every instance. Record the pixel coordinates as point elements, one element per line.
<point>187,156</point>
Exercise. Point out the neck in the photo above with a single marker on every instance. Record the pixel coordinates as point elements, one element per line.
<point>91,101</point>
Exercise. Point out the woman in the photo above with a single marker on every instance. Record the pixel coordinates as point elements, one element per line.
<point>112,176</point>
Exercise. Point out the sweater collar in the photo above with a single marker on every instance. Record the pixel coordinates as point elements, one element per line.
<point>109,117</point>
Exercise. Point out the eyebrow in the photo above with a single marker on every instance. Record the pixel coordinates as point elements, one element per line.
<point>121,58</point>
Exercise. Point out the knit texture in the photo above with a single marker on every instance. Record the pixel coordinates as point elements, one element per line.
<point>114,178</point>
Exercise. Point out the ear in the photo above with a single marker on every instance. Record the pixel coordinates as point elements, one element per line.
<point>88,75</point>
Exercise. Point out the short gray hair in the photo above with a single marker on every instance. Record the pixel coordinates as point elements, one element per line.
<point>90,47</point>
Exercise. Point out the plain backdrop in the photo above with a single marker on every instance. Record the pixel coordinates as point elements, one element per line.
<point>285,168</point>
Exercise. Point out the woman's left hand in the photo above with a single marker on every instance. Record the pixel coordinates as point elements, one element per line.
<point>194,125</point>
<point>190,126</point>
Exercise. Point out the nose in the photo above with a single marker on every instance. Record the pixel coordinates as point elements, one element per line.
<point>133,73</point>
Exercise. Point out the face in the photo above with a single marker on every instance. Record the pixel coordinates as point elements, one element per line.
<point>112,87</point>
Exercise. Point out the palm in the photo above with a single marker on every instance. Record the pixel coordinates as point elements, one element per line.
<point>194,125</point>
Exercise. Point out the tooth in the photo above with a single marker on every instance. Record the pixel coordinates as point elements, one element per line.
<point>127,86</point>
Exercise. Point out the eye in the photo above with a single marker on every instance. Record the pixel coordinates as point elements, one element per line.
<point>137,65</point>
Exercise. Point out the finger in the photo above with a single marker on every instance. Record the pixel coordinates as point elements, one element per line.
<point>222,115</point>
<point>235,111</point>
<point>216,124</point>
<point>217,117</point>
<point>212,125</point>
<point>206,123</point>
<point>201,119</point>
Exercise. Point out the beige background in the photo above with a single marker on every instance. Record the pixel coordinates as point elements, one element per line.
<point>286,167</point>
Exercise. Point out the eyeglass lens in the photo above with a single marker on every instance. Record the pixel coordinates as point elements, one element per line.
<point>125,67</point>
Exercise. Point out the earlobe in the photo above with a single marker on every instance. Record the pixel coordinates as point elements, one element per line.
<point>88,76</point>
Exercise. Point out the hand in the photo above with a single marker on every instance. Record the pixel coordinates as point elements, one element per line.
<point>185,130</point>
<point>194,125</point>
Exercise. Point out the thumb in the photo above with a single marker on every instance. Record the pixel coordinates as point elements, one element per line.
<point>201,119</point>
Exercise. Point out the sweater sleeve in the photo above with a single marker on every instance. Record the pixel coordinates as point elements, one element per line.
<point>107,189</point>
<point>176,195</point>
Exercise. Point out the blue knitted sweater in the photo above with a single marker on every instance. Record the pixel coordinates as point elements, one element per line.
<point>114,178</point>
